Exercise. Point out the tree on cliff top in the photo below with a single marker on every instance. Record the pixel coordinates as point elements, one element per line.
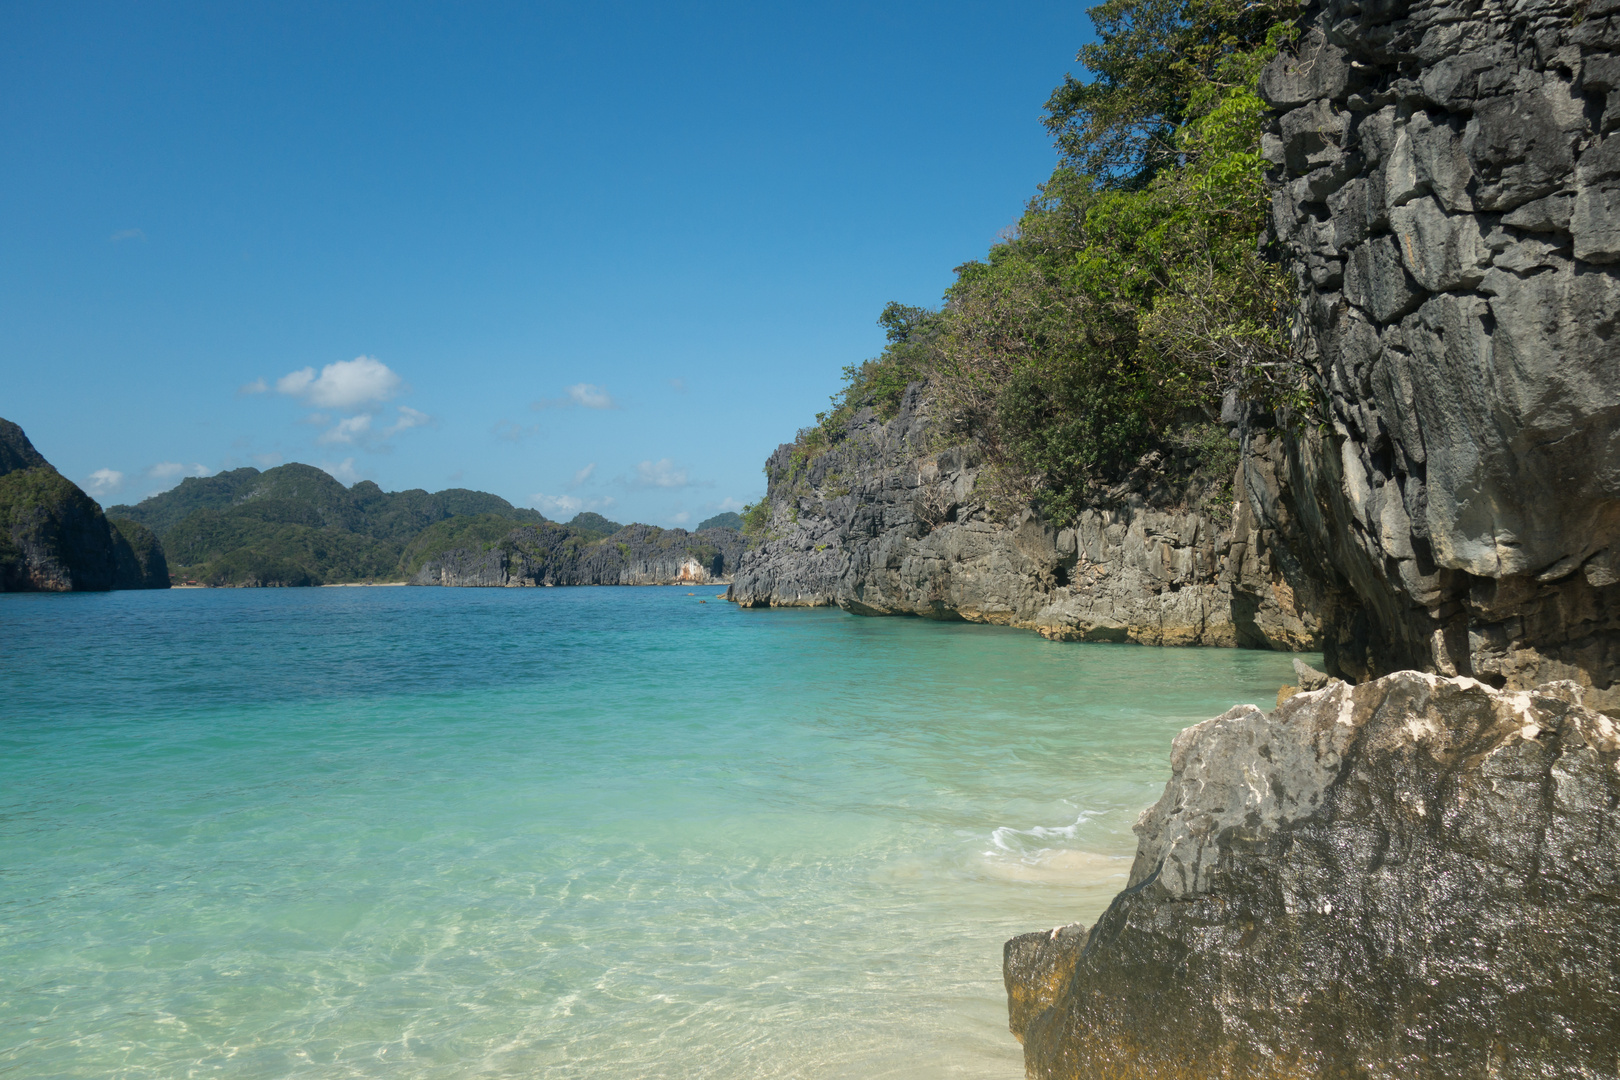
<point>1131,294</point>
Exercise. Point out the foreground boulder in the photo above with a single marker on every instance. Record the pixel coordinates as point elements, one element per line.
<point>1415,877</point>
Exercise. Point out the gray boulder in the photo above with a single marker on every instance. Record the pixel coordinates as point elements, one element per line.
<point>1414,877</point>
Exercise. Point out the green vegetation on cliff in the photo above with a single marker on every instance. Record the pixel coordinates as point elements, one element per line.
<point>1132,295</point>
<point>722,521</point>
<point>296,525</point>
<point>54,537</point>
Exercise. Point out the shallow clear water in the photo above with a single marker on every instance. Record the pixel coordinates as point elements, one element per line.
<point>557,832</point>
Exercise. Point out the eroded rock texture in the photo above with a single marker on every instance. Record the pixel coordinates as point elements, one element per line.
<point>551,554</point>
<point>1448,187</point>
<point>1413,877</point>
<point>891,522</point>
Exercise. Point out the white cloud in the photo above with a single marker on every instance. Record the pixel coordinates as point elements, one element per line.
<point>104,481</point>
<point>583,475</point>
<point>592,397</point>
<point>566,506</point>
<point>173,470</point>
<point>408,418</point>
<point>346,431</point>
<point>267,461</point>
<point>662,473</point>
<point>511,431</point>
<point>357,430</point>
<point>345,384</point>
<point>726,505</point>
<point>257,386</point>
<point>127,234</point>
<point>681,518</point>
<point>343,472</point>
<point>585,395</point>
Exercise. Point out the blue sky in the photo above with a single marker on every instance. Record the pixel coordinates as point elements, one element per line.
<point>599,256</point>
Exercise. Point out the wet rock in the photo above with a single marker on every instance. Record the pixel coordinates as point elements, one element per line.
<point>1413,877</point>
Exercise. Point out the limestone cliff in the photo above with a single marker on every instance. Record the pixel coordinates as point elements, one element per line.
<point>1447,186</point>
<point>54,537</point>
<point>891,520</point>
<point>551,554</point>
<point>1413,877</point>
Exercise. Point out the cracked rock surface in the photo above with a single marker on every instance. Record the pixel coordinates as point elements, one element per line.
<point>890,522</point>
<point>1446,185</point>
<point>1414,877</point>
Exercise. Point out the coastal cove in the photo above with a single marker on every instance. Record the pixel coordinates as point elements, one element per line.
<point>553,832</point>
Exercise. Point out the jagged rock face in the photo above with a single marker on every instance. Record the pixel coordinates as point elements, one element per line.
<point>553,555</point>
<point>1447,186</point>
<point>54,537</point>
<point>1413,877</point>
<point>885,523</point>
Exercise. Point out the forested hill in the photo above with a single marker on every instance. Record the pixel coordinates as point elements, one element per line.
<point>296,525</point>
<point>307,496</point>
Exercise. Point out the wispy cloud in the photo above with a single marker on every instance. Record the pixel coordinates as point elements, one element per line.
<point>104,482</point>
<point>348,431</point>
<point>126,234</point>
<point>681,518</point>
<point>344,384</point>
<point>357,430</point>
<point>662,473</point>
<point>343,472</point>
<point>583,475</point>
<point>257,386</point>
<point>511,431</point>
<point>583,395</point>
<point>408,418</point>
<point>565,506</point>
<point>267,461</point>
<point>678,385</point>
<point>174,470</point>
<point>725,506</point>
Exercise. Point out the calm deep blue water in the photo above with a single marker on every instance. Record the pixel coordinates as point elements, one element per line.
<point>595,832</point>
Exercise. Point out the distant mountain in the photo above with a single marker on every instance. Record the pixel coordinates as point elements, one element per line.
<point>594,525</point>
<point>54,537</point>
<point>722,521</point>
<point>297,525</point>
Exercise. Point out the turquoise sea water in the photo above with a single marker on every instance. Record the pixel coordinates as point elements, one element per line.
<point>597,832</point>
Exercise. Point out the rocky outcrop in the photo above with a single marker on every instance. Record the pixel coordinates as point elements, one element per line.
<point>1413,877</point>
<point>139,556</point>
<point>889,521</point>
<point>551,554</point>
<point>54,537</point>
<point>1447,186</point>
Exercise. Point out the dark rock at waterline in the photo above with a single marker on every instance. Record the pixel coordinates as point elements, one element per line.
<point>139,555</point>
<point>1414,877</point>
<point>895,519</point>
<point>551,554</point>
<point>1447,190</point>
